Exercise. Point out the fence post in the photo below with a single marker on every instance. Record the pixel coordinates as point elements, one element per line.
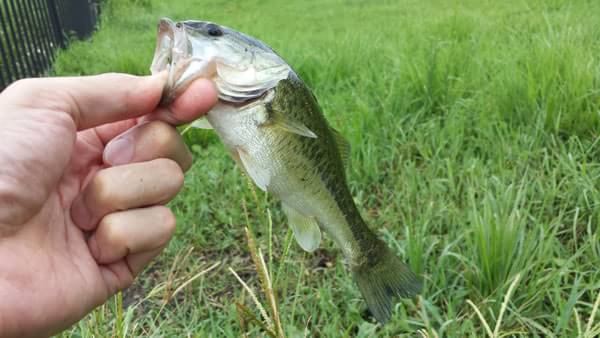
<point>16,59</point>
<point>79,17</point>
<point>7,61</point>
<point>56,23</point>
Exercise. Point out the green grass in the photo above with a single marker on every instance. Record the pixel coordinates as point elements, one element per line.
<point>475,132</point>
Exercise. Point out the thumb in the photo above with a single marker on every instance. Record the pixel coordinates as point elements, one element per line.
<point>89,100</point>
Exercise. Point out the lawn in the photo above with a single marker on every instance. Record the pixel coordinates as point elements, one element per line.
<point>475,133</point>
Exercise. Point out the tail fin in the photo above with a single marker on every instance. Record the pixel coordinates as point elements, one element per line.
<point>381,278</point>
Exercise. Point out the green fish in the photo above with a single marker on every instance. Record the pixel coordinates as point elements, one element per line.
<point>272,124</point>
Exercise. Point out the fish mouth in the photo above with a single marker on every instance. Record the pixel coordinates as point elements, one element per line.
<point>165,41</point>
<point>174,54</point>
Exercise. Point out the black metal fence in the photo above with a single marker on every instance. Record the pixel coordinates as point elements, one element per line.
<point>32,30</point>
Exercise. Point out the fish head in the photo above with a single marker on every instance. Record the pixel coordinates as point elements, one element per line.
<point>242,67</point>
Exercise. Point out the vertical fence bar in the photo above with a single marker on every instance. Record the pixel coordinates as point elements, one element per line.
<point>27,38</point>
<point>42,29</point>
<point>49,31</point>
<point>35,32</point>
<point>6,62</point>
<point>2,58</point>
<point>61,11</point>
<point>55,22</point>
<point>2,81</point>
<point>34,42</point>
<point>50,35</point>
<point>20,42</point>
<point>14,58</point>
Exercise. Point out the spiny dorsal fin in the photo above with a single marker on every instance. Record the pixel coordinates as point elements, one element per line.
<point>279,119</point>
<point>343,147</point>
<point>306,229</point>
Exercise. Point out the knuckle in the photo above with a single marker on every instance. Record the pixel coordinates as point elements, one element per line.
<point>168,223</point>
<point>177,176</point>
<point>114,77</point>
<point>163,135</point>
<point>170,165</point>
<point>40,93</point>
<point>111,231</point>
<point>172,170</point>
<point>126,280</point>
<point>101,188</point>
<point>20,85</point>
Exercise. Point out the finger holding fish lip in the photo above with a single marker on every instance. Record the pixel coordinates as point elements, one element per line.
<point>198,98</point>
<point>194,102</point>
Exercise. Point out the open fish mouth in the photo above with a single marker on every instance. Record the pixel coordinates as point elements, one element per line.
<point>174,54</point>
<point>163,54</point>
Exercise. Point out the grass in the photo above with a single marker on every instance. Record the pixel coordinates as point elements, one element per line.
<point>475,145</point>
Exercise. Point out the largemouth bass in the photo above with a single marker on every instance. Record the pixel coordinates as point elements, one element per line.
<point>275,130</point>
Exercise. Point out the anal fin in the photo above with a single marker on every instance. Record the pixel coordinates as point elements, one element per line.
<point>306,230</point>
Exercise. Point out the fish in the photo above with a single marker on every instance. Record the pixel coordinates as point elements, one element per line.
<point>274,128</point>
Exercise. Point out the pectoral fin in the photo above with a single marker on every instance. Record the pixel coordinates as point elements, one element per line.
<point>260,175</point>
<point>306,230</point>
<point>280,120</point>
<point>201,123</point>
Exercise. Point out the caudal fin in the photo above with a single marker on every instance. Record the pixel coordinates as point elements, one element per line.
<point>383,277</point>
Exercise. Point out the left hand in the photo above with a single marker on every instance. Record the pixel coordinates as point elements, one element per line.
<point>83,183</point>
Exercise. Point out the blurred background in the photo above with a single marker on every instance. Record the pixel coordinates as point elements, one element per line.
<point>31,31</point>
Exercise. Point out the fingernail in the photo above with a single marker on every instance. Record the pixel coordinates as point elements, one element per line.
<point>119,151</point>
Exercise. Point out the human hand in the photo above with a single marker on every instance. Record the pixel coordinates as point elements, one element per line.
<point>82,204</point>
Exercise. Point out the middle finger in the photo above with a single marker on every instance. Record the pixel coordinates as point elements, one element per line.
<point>125,187</point>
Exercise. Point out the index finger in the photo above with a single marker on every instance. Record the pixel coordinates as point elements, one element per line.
<point>90,100</point>
<point>195,101</point>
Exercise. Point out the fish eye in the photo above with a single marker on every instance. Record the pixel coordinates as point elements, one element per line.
<point>213,30</point>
